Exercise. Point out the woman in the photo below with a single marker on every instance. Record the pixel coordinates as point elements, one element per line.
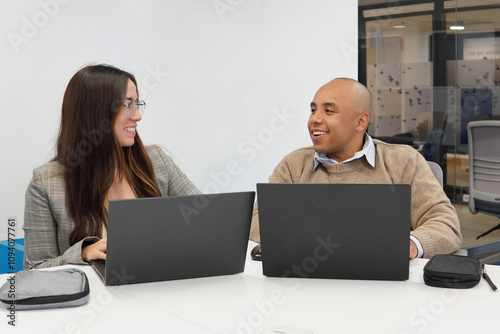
<point>99,157</point>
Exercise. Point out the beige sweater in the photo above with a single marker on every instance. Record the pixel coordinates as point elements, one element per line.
<point>434,221</point>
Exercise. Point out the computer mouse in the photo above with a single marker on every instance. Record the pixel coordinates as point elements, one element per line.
<point>256,253</point>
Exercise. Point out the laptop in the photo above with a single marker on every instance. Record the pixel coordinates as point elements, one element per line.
<point>169,238</point>
<point>343,231</point>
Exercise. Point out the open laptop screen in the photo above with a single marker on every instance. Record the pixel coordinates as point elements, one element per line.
<point>349,231</point>
<point>166,238</point>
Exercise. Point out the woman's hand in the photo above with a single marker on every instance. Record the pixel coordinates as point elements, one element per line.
<point>95,251</point>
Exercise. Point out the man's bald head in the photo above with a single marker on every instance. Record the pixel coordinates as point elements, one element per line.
<point>358,93</point>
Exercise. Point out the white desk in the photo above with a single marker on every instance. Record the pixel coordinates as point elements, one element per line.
<point>249,303</point>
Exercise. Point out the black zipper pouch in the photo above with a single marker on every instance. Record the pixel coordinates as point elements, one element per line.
<point>452,271</point>
<point>44,289</point>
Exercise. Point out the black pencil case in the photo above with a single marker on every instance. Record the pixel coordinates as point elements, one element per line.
<point>452,271</point>
<point>43,289</point>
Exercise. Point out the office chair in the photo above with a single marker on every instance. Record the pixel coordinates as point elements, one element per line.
<point>432,150</point>
<point>437,171</point>
<point>484,169</point>
<point>484,177</point>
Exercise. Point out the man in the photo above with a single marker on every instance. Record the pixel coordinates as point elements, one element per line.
<point>343,152</point>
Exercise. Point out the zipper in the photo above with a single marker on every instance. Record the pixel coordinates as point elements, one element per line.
<point>488,279</point>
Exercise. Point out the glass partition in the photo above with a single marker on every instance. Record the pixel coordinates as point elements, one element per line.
<point>432,67</point>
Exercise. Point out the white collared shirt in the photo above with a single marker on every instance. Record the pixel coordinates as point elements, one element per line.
<point>368,150</point>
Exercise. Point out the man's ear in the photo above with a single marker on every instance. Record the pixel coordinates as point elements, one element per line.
<point>363,121</point>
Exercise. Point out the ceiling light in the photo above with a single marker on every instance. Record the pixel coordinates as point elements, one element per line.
<point>399,26</point>
<point>459,25</point>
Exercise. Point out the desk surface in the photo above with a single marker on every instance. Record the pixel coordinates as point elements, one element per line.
<point>251,303</point>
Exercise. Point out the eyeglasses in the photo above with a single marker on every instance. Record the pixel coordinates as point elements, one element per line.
<point>131,107</point>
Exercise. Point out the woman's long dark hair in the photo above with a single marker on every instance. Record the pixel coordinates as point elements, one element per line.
<point>90,151</point>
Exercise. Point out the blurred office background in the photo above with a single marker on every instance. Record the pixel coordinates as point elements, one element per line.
<point>433,67</point>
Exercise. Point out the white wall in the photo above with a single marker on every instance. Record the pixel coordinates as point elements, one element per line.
<point>225,81</point>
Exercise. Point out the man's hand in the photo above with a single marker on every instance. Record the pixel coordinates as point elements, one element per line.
<point>95,251</point>
<point>413,250</point>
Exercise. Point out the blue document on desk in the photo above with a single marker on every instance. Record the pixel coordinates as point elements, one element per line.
<point>345,231</point>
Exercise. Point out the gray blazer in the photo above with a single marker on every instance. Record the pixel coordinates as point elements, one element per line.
<point>46,222</point>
